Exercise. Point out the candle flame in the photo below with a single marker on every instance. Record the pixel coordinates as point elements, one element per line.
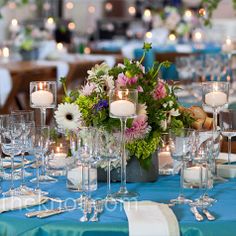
<point>50,20</point>
<point>5,52</point>
<point>58,149</point>
<point>41,86</point>
<point>61,145</point>
<point>228,78</point>
<point>14,22</point>
<point>60,46</point>
<point>120,94</point>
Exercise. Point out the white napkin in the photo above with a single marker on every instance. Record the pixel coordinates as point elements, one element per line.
<point>151,219</point>
<point>19,202</point>
<point>5,85</point>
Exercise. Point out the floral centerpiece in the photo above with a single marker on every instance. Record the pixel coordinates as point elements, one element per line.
<point>28,41</point>
<point>157,111</point>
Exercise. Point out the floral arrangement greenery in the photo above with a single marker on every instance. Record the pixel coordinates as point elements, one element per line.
<point>157,110</point>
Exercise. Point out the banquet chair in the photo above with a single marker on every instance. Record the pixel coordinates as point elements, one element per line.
<point>22,74</point>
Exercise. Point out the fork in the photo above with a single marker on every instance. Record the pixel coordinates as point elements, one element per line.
<point>196,213</point>
<point>208,214</point>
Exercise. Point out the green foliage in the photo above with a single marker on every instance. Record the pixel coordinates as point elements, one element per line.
<point>143,149</point>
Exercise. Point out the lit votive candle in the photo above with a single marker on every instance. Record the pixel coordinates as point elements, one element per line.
<point>227,46</point>
<point>216,98</point>
<point>42,98</point>
<point>14,26</point>
<point>122,108</point>
<point>61,48</point>
<point>193,174</point>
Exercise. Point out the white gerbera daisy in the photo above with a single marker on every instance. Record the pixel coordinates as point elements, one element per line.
<point>68,116</point>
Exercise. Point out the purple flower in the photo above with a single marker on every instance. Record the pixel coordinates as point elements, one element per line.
<point>139,128</point>
<point>100,105</point>
<point>160,90</point>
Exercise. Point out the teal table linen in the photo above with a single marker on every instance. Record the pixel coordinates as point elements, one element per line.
<point>113,220</point>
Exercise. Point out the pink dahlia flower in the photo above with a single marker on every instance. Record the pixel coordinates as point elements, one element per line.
<point>123,80</point>
<point>160,90</point>
<point>139,128</point>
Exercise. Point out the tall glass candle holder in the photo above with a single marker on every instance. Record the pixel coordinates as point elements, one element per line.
<point>215,95</point>
<point>122,105</point>
<point>43,95</point>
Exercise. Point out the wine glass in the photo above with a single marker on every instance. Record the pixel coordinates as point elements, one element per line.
<point>26,118</point>
<point>122,105</point>
<point>215,95</point>
<point>43,95</point>
<point>108,153</point>
<point>11,146</point>
<point>181,143</point>
<point>40,140</point>
<point>228,127</point>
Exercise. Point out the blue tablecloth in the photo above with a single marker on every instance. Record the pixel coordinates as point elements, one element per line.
<point>113,221</point>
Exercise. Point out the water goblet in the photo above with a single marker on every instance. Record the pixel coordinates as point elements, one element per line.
<point>87,144</point>
<point>228,127</point>
<point>40,139</point>
<point>122,105</point>
<point>215,95</point>
<point>181,143</point>
<point>203,172</point>
<point>4,119</point>
<point>43,95</point>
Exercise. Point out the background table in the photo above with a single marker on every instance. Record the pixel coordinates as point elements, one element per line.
<point>113,221</point>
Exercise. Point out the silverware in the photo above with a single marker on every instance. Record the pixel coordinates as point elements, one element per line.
<point>196,213</point>
<point>208,214</point>
<point>98,208</point>
<point>35,213</point>
<point>55,212</point>
<point>87,208</point>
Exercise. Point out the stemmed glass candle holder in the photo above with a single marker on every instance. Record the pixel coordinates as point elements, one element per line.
<point>122,105</point>
<point>43,95</point>
<point>215,95</point>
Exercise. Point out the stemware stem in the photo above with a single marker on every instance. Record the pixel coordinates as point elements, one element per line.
<point>22,169</point>
<point>12,172</point>
<point>108,177</point>
<point>43,116</point>
<point>123,156</point>
<point>229,149</point>
<point>214,119</point>
<point>37,173</point>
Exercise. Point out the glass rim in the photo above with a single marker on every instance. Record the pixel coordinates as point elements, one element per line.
<point>44,81</point>
<point>117,89</point>
<point>215,82</point>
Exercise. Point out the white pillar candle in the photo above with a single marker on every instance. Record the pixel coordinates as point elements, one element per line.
<point>216,98</point>
<point>193,175</point>
<point>42,98</point>
<point>61,48</point>
<point>164,159</point>
<point>74,177</point>
<point>122,108</point>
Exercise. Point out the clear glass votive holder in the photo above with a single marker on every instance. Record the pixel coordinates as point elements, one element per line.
<point>43,94</point>
<point>74,177</point>
<point>58,159</point>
